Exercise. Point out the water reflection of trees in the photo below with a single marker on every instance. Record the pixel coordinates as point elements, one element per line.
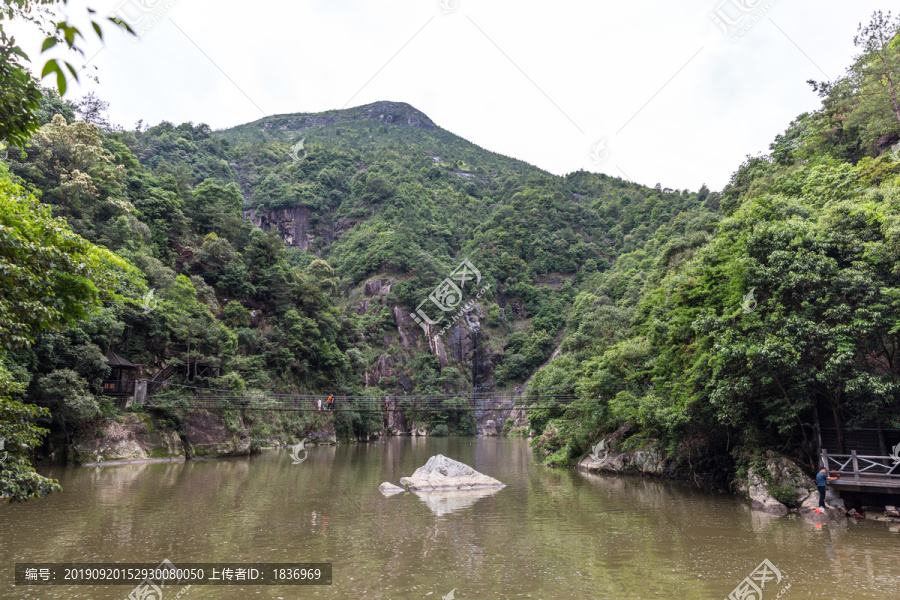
<point>551,533</point>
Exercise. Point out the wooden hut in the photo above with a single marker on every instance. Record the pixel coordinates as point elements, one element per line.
<point>122,375</point>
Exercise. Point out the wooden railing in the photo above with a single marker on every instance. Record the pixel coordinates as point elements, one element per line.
<point>858,467</point>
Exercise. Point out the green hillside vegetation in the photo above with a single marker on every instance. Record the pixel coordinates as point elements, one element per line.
<point>641,289</point>
<point>715,340</point>
<point>168,200</point>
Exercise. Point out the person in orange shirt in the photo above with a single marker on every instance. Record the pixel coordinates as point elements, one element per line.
<point>329,404</point>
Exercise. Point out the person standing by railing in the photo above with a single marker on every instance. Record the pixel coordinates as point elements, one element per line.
<point>822,480</point>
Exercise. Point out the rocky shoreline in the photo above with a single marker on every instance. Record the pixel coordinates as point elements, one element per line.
<point>779,475</point>
<point>140,438</point>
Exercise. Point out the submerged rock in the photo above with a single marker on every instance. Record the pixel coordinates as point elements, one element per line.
<point>442,473</point>
<point>829,514</point>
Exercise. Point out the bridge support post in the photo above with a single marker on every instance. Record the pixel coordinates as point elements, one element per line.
<point>140,392</point>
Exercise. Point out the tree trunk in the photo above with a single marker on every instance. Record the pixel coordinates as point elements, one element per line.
<point>834,401</point>
<point>895,107</point>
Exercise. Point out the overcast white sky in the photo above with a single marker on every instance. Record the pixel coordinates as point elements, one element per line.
<point>653,89</point>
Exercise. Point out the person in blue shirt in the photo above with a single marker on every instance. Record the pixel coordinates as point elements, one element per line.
<point>822,480</point>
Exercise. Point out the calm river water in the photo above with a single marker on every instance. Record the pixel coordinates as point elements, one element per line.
<point>549,534</point>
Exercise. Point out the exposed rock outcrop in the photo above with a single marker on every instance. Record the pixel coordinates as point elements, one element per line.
<point>403,322</point>
<point>324,435</point>
<point>206,434</point>
<point>135,438</point>
<point>441,473</point>
<point>384,367</point>
<point>755,488</point>
<point>292,224</point>
<point>378,287</point>
<point>398,114</point>
<point>139,438</point>
<point>396,421</point>
<point>646,462</point>
<point>784,473</point>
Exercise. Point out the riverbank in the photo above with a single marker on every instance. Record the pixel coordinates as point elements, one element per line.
<point>775,484</point>
<point>141,437</point>
<point>173,434</point>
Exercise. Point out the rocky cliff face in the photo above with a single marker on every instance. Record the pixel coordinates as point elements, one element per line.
<point>461,346</point>
<point>292,224</point>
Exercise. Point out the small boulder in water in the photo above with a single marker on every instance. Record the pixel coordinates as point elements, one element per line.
<point>442,473</point>
<point>389,488</point>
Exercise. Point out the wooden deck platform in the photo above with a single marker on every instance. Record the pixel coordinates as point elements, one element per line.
<point>863,473</point>
<point>867,485</point>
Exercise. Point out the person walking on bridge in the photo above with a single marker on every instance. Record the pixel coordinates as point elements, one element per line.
<point>319,401</point>
<point>329,404</point>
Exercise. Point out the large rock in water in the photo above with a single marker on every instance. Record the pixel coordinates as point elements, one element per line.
<point>442,473</point>
<point>760,497</point>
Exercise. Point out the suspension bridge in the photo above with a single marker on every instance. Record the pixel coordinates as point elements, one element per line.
<point>171,395</point>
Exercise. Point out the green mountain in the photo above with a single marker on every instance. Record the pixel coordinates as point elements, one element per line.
<point>317,287</point>
<point>367,251</point>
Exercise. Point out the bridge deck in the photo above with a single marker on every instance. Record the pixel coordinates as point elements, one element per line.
<point>860,473</point>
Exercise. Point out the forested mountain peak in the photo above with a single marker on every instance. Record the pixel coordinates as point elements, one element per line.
<point>368,136</point>
<point>399,114</point>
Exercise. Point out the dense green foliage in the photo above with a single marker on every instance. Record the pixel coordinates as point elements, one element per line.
<point>721,335</point>
<point>216,291</point>
<point>50,279</point>
<point>708,323</point>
